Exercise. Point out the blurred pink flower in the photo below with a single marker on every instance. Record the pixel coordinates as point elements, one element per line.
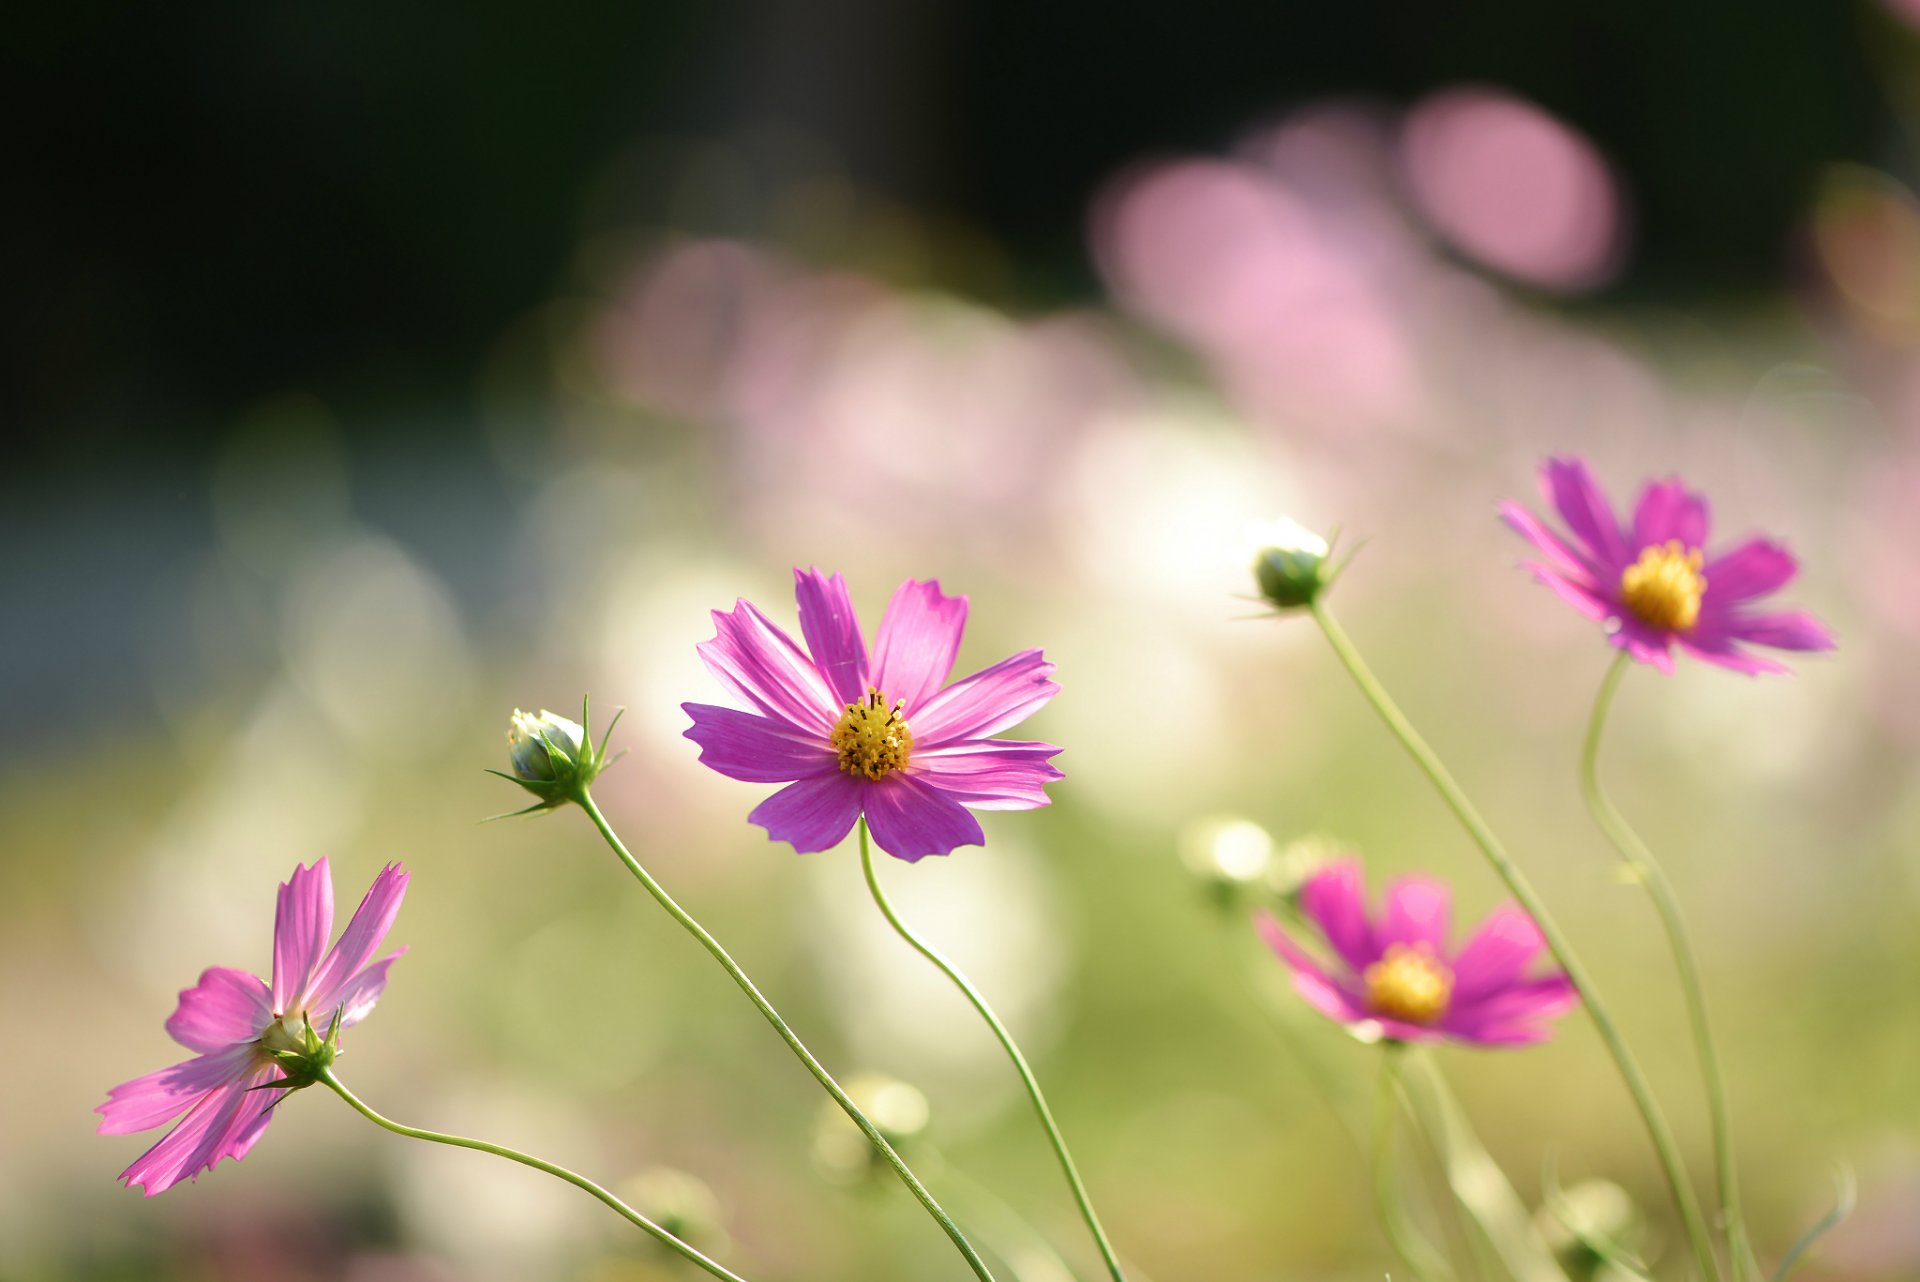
<point>832,722</point>
<point>235,1022</point>
<point>1398,975</point>
<point>1651,584</point>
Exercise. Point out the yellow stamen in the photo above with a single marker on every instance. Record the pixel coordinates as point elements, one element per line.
<point>872,738</point>
<point>1409,984</point>
<point>1663,588</point>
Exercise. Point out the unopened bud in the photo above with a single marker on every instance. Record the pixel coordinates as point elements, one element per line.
<point>1289,563</point>
<point>552,757</point>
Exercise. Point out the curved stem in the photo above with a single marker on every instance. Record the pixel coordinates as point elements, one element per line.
<point>1640,861</point>
<point>787,1035</point>
<point>965,985</point>
<point>1516,882</point>
<point>1425,1262</point>
<point>512,1155</point>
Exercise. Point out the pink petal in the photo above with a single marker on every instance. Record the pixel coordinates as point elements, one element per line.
<point>1335,900</point>
<point>918,639</point>
<point>1755,568</point>
<point>1723,652</point>
<point>1311,980</point>
<point>1572,491</point>
<point>302,921</point>
<point>1528,1002</point>
<point>355,998</point>
<point>225,1008</point>
<point>989,774</point>
<point>815,813</point>
<point>1651,646</point>
<point>1417,912</point>
<point>833,633</point>
<point>361,939</point>
<point>911,820</point>
<point>1562,557</point>
<point>1668,510</point>
<point>225,1123</point>
<point>761,664</point>
<point>1789,630</point>
<point>162,1095</point>
<point>1580,596</point>
<point>1497,955</point>
<point>745,745</point>
<point>985,703</point>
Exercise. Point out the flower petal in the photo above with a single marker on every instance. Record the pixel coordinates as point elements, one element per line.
<point>1335,900</point>
<point>989,774</point>
<point>164,1094</point>
<point>1500,1015</point>
<point>761,664</point>
<point>360,940</point>
<point>1580,596</point>
<point>225,1123</point>
<point>1562,557</point>
<point>815,813</point>
<point>832,631</point>
<point>1497,954</point>
<point>918,639</point>
<point>1570,487</point>
<point>911,820</point>
<point>985,703</point>
<point>1789,630</point>
<point>1669,510</point>
<point>1755,568</point>
<point>1322,991</point>
<point>1724,652</point>
<point>225,1008</point>
<point>355,998</point>
<point>1651,646</point>
<point>745,745</point>
<point>1417,913</point>
<point>302,921</point>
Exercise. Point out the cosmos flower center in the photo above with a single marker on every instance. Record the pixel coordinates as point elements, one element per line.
<point>1663,588</point>
<point>872,737</point>
<point>1409,984</point>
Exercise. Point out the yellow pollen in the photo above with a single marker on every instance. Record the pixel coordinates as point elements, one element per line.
<point>1663,588</point>
<point>872,738</point>
<point>1409,984</point>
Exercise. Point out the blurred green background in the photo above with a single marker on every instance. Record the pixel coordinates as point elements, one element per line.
<point>375,372</point>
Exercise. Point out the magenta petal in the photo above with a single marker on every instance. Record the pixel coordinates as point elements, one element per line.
<point>761,664</point>
<point>1498,953</point>
<point>1755,568</point>
<point>833,633</point>
<point>1668,510</point>
<point>1324,993</point>
<point>225,1123</point>
<point>302,921</point>
<point>1789,630</point>
<point>1417,911</point>
<point>911,820</point>
<point>757,749</point>
<point>355,999</point>
<point>361,939</point>
<point>989,774</point>
<point>1651,646</point>
<point>1527,1002</point>
<point>1562,557</point>
<point>987,702</point>
<point>815,813</point>
<point>1335,900</point>
<point>164,1094</point>
<point>1574,494</point>
<point>1724,652</point>
<point>1578,595</point>
<point>226,1007</point>
<point>918,639</point>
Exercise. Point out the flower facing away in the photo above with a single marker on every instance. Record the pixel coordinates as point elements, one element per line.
<point>1396,978</point>
<point>879,733</point>
<point>257,1042</point>
<point>1651,583</point>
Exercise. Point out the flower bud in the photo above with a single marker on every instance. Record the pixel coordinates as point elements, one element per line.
<point>1230,857</point>
<point>553,758</point>
<point>1289,563</point>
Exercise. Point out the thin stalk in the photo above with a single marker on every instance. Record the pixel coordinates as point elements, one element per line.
<point>1027,1078</point>
<point>512,1155</point>
<point>787,1035</point>
<point>1640,861</point>
<point>1516,882</point>
<point>1422,1258</point>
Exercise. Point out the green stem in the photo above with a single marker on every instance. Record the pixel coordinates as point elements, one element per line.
<point>965,985</point>
<point>787,1035</point>
<point>1562,950</point>
<point>500,1150</point>
<point>1425,1262</point>
<point>1640,861</point>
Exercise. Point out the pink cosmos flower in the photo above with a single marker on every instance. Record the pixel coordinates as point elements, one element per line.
<point>236,1022</point>
<point>880,733</point>
<point>1651,583</point>
<point>1398,977</point>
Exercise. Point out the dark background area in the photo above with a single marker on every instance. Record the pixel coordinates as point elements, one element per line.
<point>215,203</point>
